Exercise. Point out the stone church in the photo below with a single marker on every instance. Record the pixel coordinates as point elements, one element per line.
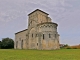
<point>41,33</point>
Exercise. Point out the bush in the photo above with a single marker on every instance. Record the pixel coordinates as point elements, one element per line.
<point>0,44</point>
<point>7,43</point>
<point>68,47</point>
<point>75,48</point>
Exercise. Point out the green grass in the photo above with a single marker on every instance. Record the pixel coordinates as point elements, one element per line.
<point>62,54</point>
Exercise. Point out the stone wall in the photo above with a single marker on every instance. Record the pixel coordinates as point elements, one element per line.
<point>49,36</point>
<point>21,40</point>
<point>41,33</point>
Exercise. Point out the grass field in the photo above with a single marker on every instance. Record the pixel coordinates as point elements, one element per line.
<point>62,54</point>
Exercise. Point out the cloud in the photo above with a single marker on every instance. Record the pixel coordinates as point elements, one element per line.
<point>13,16</point>
<point>14,9</point>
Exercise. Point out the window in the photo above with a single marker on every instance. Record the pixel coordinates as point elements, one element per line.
<point>31,23</point>
<point>36,35</point>
<point>49,35</point>
<point>58,41</point>
<point>22,44</point>
<point>37,44</point>
<point>55,35</point>
<point>16,44</point>
<point>43,36</point>
<point>32,35</point>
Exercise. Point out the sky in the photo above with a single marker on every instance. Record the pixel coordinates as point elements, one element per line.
<point>66,13</point>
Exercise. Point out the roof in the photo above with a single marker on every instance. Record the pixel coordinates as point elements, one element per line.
<point>38,10</point>
<point>21,31</point>
<point>47,23</point>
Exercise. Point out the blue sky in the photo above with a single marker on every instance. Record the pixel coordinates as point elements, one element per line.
<point>13,17</point>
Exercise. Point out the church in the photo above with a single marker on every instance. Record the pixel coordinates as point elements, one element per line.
<point>41,33</point>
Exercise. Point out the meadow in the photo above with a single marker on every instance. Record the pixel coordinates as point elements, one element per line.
<point>62,54</point>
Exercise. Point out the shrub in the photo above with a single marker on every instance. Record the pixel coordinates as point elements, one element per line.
<point>7,43</point>
<point>68,47</point>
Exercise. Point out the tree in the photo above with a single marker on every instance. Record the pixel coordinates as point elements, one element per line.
<point>7,43</point>
<point>66,45</point>
<point>0,44</point>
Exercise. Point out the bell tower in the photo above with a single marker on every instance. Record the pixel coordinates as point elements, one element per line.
<point>37,17</point>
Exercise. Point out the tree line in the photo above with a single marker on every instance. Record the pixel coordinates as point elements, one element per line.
<point>6,43</point>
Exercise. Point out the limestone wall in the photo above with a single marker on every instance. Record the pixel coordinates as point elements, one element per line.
<point>41,34</point>
<point>48,27</point>
<point>38,17</point>
<point>50,39</point>
<point>21,40</point>
<point>32,38</point>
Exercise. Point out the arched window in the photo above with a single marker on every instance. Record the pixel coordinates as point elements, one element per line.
<point>31,22</point>
<point>49,35</point>
<point>37,44</point>
<point>43,36</point>
<point>55,35</point>
<point>58,41</point>
<point>21,44</point>
<point>36,35</point>
<point>16,44</point>
<point>32,35</point>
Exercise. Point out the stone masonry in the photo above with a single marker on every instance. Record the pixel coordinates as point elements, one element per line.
<point>41,33</point>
